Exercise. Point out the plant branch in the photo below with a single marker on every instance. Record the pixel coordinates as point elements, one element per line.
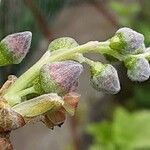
<point>101,7</point>
<point>27,91</point>
<point>62,54</point>
<point>75,136</point>
<point>39,18</point>
<point>22,82</point>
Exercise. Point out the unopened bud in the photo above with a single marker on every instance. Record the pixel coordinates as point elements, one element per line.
<point>39,105</point>
<point>60,77</point>
<point>14,47</point>
<point>105,79</point>
<point>127,40</point>
<point>64,42</point>
<point>138,69</point>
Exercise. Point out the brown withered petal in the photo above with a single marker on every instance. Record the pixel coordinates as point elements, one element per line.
<point>8,83</point>
<point>34,119</point>
<point>48,123</point>
<point>5,143</point>
<point>10,120</point>
<point>56,118</point>
<point>71,102</point>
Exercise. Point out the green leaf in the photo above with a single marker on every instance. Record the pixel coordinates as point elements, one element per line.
<point>128,131</point>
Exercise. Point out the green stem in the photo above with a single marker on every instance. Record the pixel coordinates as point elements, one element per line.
<point>26,92</point>
<point>25,79</point>
<point>146,55</point>
<point>16,98</point>
<point>22,82</point>
<point>81,59</point>
<point>33,72</point>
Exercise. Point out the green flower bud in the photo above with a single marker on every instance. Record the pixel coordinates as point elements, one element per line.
<point>64,42</point>
<point>105,78</point>
<point>59,77</point>
<point>39,105</point>
<point>14,47</point>
<point>127,40</point>
<point>138,69</point>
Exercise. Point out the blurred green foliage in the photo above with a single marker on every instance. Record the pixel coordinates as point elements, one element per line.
<point>126,13</point>
<point>127,131</point>
<point>134,14</point>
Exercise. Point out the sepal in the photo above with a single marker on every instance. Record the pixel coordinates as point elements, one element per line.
<point>39,105</point>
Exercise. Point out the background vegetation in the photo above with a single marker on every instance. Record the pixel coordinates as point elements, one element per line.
<point>100,123</point>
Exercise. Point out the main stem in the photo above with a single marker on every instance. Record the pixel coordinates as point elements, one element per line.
<point>25,79</point>
<point>33,72</point>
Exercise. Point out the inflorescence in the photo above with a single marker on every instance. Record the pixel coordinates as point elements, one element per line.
<point>47,91</point>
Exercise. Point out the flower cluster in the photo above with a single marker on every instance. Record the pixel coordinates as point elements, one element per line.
<point>47,91</point>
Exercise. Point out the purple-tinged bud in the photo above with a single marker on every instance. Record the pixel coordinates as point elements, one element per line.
<point>138,69</point>
<point>14,47</point>
<point>64,42</point>
<point>105,78</point>
<point>60,77</point>
<point>127,40</point>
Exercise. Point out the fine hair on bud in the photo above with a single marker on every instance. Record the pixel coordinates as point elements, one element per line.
<point>60,77</point>
<point>107,80</point>
<point>129,41</point>
<point>63,42</point>
<point>14,47</point>
<point>139,70</point>
<point>133,39</point>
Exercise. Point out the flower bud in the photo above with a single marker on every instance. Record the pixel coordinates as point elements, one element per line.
<point>14,47</point>
<point>59,77</point>
<point>10,120</point>
<point>105,78</point>
<point>127,40</point>
<point>138,69</point>
<point>64,42</point>
<point>39,105</point>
